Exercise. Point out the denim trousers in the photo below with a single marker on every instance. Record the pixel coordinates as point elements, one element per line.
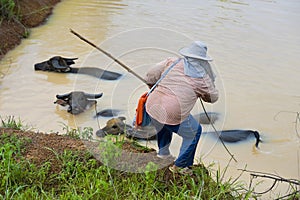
<point>190,131</point>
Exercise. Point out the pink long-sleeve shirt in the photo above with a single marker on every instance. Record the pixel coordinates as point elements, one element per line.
<point>175,96</point>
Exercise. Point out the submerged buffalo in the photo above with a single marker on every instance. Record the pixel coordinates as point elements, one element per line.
<point>237,135</point>
<point>116,126</point>
<point>62,65</point>
<point>77,101</point>
<point>107,113</point>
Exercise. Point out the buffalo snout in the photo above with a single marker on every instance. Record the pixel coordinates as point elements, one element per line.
<point>114,126</point>
<point>44,66</point>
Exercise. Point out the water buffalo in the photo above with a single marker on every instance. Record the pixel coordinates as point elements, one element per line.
<point>116,126</point>
<point>107,113</point>
<point>62,65</point>
<point>77,101</point>
<point>237,135</point>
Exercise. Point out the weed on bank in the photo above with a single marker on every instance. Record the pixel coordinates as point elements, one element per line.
<point>80,176</point>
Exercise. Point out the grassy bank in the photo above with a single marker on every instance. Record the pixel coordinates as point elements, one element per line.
<point>8,10</point>
<point>79,175</point>
<point>17,17</point>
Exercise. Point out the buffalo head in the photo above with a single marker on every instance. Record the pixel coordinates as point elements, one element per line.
<point>116,126</point>
<point>55,64</point>
<point>77,101</point>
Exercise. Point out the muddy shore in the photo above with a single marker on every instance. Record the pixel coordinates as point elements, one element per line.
<point>31,13</point>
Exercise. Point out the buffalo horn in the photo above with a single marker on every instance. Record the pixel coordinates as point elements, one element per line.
<point>63,96</point>
<point>70,61</point>
<point>93,96</point>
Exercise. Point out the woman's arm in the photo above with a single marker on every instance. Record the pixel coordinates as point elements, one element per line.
<point>206,90</point>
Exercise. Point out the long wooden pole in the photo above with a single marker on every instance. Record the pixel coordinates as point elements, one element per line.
<point>139,77</point>
<point>109,55</point>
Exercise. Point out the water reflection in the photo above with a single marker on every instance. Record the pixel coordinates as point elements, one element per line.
<point>112,4</point>
<point>66,118</point>
<point>234,2</point>
<point>55,78</point>
<point>230,11</point>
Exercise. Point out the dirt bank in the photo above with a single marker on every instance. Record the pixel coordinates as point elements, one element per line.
<point>32,13</point>
<point>40,148</point>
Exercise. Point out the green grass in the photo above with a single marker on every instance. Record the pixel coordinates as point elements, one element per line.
<point>80,176</point>
<point>83,177</point>
<point>11,122</point>
<point>85,133</point>
<point>8,9</point>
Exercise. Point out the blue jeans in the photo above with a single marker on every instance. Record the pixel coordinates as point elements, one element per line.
<point>190,131</point>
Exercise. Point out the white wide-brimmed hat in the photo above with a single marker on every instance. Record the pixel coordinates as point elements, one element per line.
<point>196,50</point>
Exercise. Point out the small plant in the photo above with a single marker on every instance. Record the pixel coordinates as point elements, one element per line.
<point>109,152</point>
<point>150,174</point>
<point>87,133</point>
<point>10,170</point>
<point>8,9</point>
<point>26,32</point>
<point>139,147</point>
<point>10,122</point>
<point>77,133</point>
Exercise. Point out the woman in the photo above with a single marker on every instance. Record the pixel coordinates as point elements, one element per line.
<point>170,103</point>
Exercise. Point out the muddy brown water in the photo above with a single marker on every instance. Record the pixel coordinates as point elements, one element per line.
<point>255,46</point>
